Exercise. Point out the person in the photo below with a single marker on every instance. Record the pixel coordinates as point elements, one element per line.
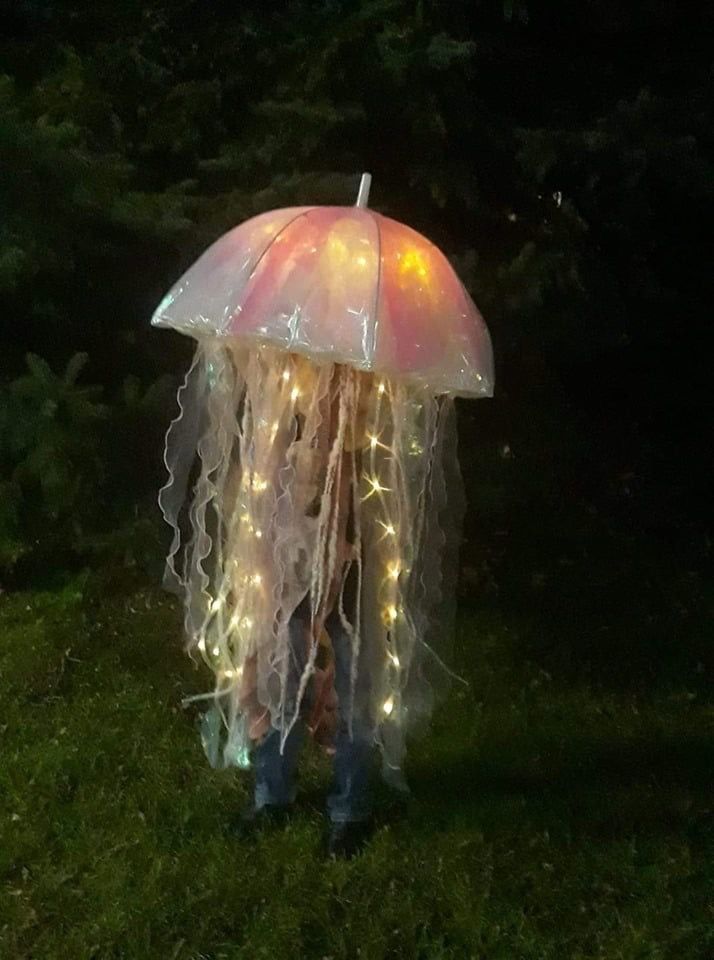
<point>317,580</point>
<point>335,715</point>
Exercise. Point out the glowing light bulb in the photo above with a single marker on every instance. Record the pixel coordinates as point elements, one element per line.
<point>393,570</point>
<point>202,644</point>
<point>258,534</point>
<point>373,441</point>
<point>388,705</point>
<point>395,659</point>
<point>294,394</point>
<point>256,579</point>
<point>415,261</point>
<point>381,388</point>
<point>227,673</point>
<point>361,261</point>
<point>389,529</point>
<point>215,651</point>
<point>286,375</point>
<point>376,486</point>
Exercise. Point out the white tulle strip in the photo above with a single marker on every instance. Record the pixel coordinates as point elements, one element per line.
<point>283,474</point>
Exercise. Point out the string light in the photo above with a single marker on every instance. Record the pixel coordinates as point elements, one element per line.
<point>390,614</point>
<point>295,393</point>
<point>393,570</point>
<point>388,705</point>
<point>414,260</point>
<point>259,484</point>
<point>395,659</point>
<point>233,673</point>
<point>258,534</point>
<point>216,651</point>
<point>381,388</point>
<point>375,442</point>
<point>202,644</point>
<point>256,579</point>
<point>286,375</point>
<point>389,528</point>
<point>376,486</point>
<point>216,605</point>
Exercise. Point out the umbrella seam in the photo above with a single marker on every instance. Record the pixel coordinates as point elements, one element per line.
<point>378,285</point>
<point>272,241</point>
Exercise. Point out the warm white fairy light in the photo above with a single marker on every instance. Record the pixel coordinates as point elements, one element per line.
<point>245,517</point>
<point>216,605</point>
<point>393,570</point>
<point>375,442</point>
<point>389,529</point>
<point>395,659</point>
<point>286,375</point>
<point>388,705</point>
<point>294,394</point>
<point>376,486</point>
<point>202,644</point>
<point>232,673</point>
<point>259,484</point>
<point>256,579</point>
<point>215,651</point>
<point>258,534</point>
<point>391,613</point>
<point>381,388</point>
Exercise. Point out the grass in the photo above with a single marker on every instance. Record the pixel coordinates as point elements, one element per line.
<point>551,817</point>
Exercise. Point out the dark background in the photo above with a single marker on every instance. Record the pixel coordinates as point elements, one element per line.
<point>560,153</point>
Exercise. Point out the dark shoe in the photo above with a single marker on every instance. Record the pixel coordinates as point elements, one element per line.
<point>252,818</point>
<point>348,838</point>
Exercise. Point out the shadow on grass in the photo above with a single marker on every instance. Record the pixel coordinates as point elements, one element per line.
<point>592,786</point>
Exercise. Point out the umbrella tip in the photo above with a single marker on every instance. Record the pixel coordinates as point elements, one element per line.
<point>363,193</point>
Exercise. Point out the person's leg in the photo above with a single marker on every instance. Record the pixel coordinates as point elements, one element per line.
<point>350,798</point>
<point>275,771</point>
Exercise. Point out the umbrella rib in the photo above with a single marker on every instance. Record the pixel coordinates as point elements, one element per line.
<point>272,241</point>
<point>377,286</point>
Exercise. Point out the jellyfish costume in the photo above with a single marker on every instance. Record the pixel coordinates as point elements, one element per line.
<point>316,438</point>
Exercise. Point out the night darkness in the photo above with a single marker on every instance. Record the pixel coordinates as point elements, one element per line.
<point>561,155</point>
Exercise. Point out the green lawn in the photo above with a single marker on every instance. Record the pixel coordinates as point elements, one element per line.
<point>549,818</point>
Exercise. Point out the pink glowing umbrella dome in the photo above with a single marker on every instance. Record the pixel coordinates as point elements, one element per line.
<point>340,284</point>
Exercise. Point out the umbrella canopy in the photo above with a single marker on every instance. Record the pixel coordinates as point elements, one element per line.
<point>344,284</point>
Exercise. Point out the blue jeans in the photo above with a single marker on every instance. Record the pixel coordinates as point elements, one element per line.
<point>349,798</point>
